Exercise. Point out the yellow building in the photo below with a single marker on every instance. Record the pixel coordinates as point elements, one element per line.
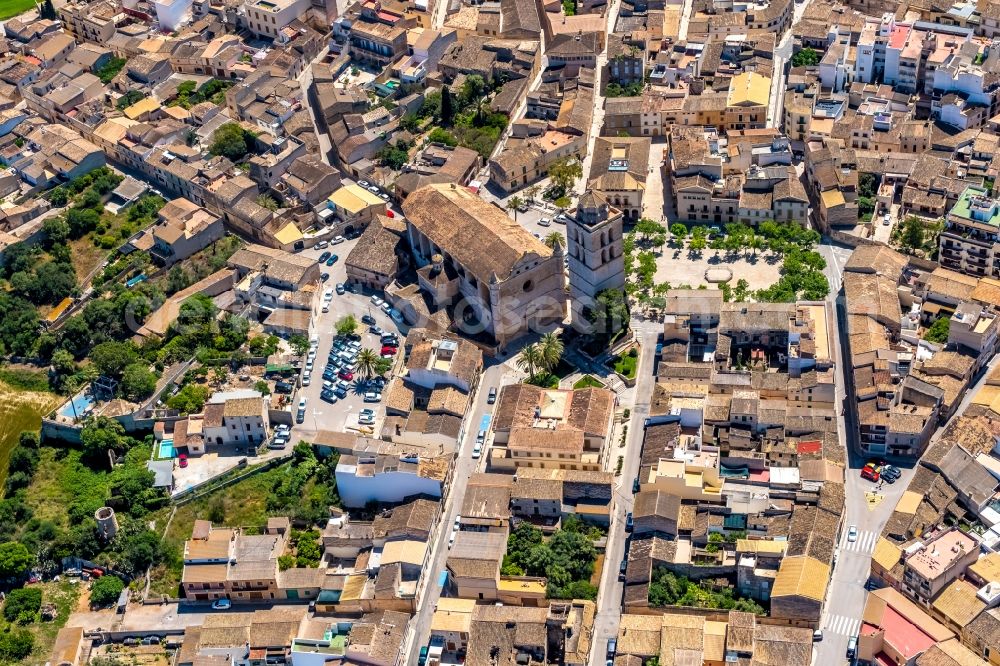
<point>355,206</point>
<point>747,102</point>
<point>689,482</point>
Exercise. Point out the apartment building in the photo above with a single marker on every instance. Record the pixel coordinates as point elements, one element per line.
<point>935,564</point>
<point>971,233</point>
<point>266,18</point>
<point>182,229</point>
<point>94,22</point>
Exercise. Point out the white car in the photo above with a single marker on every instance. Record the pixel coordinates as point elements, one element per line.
<point>385,307</point>
<point>366,419</point>
<point>376,301</point>
<point>281,429</point>
<point>544,222</point>
<point>306,377</point>
<point>852,533</point>
<point>328,295</point>
<point>337,240</point>
<point>887,219</point>
<point>221,604</point>
<point>477,451</point>
<point>372,396</point>
<point>302,403</point>
<point>309,364</point>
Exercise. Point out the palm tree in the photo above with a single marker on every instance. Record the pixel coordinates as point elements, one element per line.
<point>555,239</point>
<point>368,363</point>
<point>513,204</point>
<point>551,350</point>
<point>530,359</point>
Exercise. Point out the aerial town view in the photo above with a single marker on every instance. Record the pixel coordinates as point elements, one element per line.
<point>499,332</point>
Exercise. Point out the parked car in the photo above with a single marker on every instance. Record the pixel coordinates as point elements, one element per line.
<point>477,451</point>
<point>182,460</point>
<point>222,604</point>
<point>306,377</point>
<point>612,647</point>
<point>363,183</point>
<point>481,437</point>
<point>817,635</point>
<point>282,387</point>
<point>621,576</point>
<point>628,522</point>
<point>492,397</point>
<point>373,189</point>
<point>324,276</point>
<point>340,290</point>
<point>891,473</point>
<point>887,219</point>
<point>376,301</point>
<point>346,374</point>
<point>320,245</point>
<point>332,260</point>
<point>388,350</point>
<point>366,419</point>
<point>870,472</point>
<point>372,396</point>
<point>337,240</point>
<point>635,486</point>
<point>852,647</point>
<point>544,222</point>
<point>385,307</point>
<point>422,659</point>
<point>323,257</point>
<point>327,395</point>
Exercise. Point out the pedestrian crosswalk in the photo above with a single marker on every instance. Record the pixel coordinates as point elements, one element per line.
<point>865,542</point>
<point>839,624</point>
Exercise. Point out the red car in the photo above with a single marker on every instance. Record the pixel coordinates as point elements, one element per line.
<point>389,350</point>
<point>346,375</point>
<point>182,460</point>
<point>869,472</point>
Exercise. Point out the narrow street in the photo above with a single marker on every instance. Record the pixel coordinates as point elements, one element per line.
<point>609,596</point>
<point>427,597</point>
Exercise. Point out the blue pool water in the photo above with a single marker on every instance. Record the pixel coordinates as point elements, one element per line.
<point>167,449</point>
<point>136,280</point>
<point>80,404</point>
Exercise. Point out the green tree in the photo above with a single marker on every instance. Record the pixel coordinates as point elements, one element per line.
<point>106,590</point>
<point>410,122</point>
<point>938,331</point>
<point>555,239</point>
<point>806,57</point>
<point>530,359</point>
<point>267,201</point>
<point>647,228</point>
<point>514,204</point>
<point>22,604</point>
<point>912,235</point>
<point>230,141</point>
<point>111,358</point>
<point>47,10</point>
<point>610,313</point>
<point>190,399</point>
<point>14,559</point>
<point>138,382</point>
<point>56,230</point>
<point>564,173</point>
<point>678,231</point>
<point>299,344</point>
<point>447,108</point>
<point>101,434</point>
<point>347,325</point>
<point>550,349</point>
<point>16,645</point>
<point>368,363</point>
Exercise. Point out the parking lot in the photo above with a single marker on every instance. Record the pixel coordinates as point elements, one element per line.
<point>341,416</point>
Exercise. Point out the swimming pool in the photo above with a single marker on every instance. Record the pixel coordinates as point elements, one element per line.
<point>167,449</point>
<point>78,406</point>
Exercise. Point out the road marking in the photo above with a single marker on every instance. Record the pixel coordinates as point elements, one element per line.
<point>843,625</point>
<point>873,499</point>
<point>864,544</point>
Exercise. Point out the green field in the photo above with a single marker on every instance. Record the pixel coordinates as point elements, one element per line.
<point>19,409</point>
<point>11,8</point>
